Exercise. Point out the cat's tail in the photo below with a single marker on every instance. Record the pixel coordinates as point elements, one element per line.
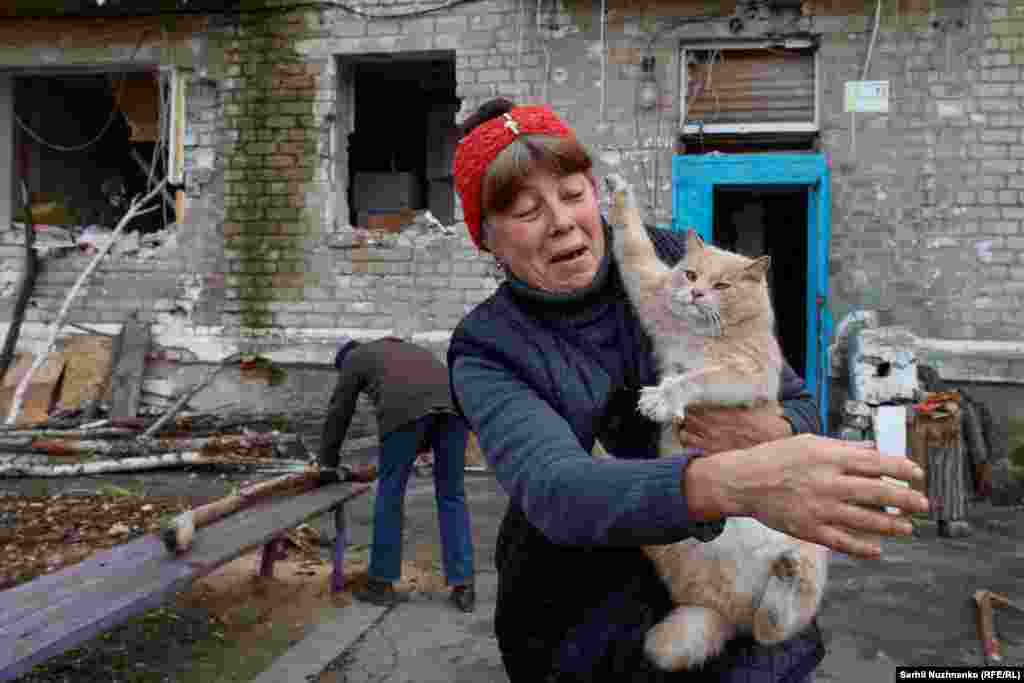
<point>687,637</point>
<point>793,594</point>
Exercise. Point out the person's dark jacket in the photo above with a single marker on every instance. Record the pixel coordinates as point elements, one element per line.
<point>402,380</point>
<point>539,378</point>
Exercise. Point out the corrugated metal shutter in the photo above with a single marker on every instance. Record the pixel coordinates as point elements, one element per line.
<point>747,86</point>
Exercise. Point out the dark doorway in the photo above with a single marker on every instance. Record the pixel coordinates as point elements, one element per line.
<point>772,220</point>
<point>401,144</point>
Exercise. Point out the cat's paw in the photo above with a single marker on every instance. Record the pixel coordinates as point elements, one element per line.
<point>791,597</point>
<point>655,404</point>
<point>622,200</point>
<point>686,638</point>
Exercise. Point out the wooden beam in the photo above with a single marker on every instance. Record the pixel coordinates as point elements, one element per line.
<point>126,379</point>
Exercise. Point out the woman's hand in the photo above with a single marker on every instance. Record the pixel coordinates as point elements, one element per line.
<point>810,487</point>
<point>715,430</point>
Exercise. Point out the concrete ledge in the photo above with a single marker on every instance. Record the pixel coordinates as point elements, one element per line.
<point>313,653</point>
<point>315,346</point>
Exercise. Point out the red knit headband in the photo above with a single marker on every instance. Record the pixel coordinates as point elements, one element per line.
<point>476,151</point>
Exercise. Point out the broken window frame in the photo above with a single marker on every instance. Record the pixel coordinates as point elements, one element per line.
<point>171,80</point>
<point>686,128</point>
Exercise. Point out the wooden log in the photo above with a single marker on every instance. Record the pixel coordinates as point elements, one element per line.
<point>179,532</point>
<point>27,464</point>
<point>937,446</point>
<point>986,602</point>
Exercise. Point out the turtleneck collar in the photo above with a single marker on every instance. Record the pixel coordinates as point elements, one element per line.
<point>529,293</point>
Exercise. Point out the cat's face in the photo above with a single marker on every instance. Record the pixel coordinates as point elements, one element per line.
<point>716,289</point>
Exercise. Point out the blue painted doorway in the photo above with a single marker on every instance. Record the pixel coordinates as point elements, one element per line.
<point>710,194</point>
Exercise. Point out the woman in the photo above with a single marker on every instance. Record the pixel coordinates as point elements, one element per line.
<point>554,361</point>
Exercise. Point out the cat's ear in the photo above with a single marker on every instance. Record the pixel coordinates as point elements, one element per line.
<point>694,242</point>
<point>758,269</point>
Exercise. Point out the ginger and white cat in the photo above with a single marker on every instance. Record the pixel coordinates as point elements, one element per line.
<point>711,322</point>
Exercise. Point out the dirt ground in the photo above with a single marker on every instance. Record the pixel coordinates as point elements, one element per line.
<point>41,534</point>
<point>227,627</point>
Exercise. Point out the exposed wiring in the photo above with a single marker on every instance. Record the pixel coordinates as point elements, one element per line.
<point>323,4</point>
<point>396,15</point>
<point>519,46</point>
<point>85,145</point>
<point>657,140</point>
<point>714,56</point>
<point>106,126</point>
<point>871,43</point>
<point>545,48</point>
<point>863,76</point>
<point>677,24</point>
<point>163,123</point>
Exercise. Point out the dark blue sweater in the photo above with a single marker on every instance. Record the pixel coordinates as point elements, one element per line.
<point>539,378</point>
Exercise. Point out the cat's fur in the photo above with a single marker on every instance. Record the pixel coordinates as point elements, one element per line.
<point>720,350</point>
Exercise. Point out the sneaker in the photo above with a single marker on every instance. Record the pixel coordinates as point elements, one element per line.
<point>464,597</point>
<point>381,593</point>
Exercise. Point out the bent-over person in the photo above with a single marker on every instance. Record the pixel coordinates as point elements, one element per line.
<point>409,389</point>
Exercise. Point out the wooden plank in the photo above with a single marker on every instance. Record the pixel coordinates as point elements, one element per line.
<point>126,379</point>
<point>88,361</point>
<point>39,396</point>
<point>45,617</point>
<point>936,445</point>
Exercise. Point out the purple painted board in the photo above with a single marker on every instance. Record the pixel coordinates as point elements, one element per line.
<point>56,587</point>
<point>42,618</point>
<point>340,543</point>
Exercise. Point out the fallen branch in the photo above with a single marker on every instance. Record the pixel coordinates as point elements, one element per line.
<point>112,433</point>
<point>180,403</point>
<point>14,467</point>
<point>25,286</point>
<point>986,602</point>
<point>135,209</point>
<point>90,330</point>
<point>178,532</point>
<point>124,449</point>
<point>23,459</point>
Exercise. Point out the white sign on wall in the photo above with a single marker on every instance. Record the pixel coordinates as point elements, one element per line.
<point>867,96</point>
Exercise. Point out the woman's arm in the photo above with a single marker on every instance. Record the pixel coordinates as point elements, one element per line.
<point>810,487</point>
<point>572,497</point>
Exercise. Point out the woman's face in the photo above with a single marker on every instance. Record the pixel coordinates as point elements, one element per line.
<point>551,235</point>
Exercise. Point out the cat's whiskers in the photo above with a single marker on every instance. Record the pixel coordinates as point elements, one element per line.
<point>711,318</point>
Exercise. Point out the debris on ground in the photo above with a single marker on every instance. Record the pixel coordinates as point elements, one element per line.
<point>42,534</point>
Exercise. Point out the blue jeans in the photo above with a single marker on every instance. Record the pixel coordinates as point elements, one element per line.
<point>447,435</point>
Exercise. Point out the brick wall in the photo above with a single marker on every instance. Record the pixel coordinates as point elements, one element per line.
<point>926,215</point>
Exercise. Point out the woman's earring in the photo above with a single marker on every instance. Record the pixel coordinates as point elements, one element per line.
<point>500,269</point>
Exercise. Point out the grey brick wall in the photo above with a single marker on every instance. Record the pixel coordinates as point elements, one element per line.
<point>927,213</point>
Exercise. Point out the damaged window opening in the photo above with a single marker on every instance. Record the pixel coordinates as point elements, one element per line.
<point>399,135</point>
<point>81,193</point>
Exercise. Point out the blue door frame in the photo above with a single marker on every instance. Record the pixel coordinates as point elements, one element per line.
<point>694,179</point>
